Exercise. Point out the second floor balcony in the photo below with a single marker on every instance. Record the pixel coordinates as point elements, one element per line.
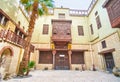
<point>11,37</point>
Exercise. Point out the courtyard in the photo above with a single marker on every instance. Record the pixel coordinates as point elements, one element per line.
<point>66,76</point>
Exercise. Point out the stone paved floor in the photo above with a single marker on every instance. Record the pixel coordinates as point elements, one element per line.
<point>67,76</point>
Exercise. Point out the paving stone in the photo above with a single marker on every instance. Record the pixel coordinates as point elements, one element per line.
<point>67,76</point>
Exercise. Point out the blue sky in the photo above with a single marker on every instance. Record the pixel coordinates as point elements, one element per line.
<point>73,4</point>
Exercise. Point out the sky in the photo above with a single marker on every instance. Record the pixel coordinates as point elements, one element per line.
<point>73,4</point>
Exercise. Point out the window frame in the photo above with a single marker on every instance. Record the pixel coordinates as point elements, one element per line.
<point>45,29</point>
<point>80,31</point>
<point>91,29</point>
<point>104,45</point>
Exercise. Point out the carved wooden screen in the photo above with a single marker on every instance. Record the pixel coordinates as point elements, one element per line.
<point>61,29</point>
<point>113,9</point>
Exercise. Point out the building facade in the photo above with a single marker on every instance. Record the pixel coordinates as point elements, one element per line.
<point>76,39</point>
<point>13,31</point>
<point>66,39</point>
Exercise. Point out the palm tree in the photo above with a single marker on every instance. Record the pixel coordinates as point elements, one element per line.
<point>36,8</point>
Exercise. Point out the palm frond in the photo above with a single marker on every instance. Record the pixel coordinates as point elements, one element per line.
<point>24,1</point>
<point>40,11</point>
<point>28,6</point>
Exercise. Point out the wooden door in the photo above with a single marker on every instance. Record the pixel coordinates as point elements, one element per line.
<point>109,61</point>
<point>62,60</point>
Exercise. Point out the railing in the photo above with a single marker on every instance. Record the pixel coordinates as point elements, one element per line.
<point>11,37</point>
<point>61,38</point>
<point>91,5</point>
<point>61,47</point>
<point>74,12</point>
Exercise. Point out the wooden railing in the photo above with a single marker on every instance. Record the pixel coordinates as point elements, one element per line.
<point>12,37</point>
<point>61,38</point>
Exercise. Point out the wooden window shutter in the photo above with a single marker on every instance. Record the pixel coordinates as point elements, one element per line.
<point>80,30</point>
<point>103,44</point>
<point>91,28</point>
<point>61,15</point>
<point>98,22</point>
<point>45,28</point>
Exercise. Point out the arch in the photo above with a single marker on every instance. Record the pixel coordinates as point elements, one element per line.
<point>5,48</point>
<point>6,57</point>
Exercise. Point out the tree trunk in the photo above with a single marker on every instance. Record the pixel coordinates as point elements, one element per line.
<point>26,54</point>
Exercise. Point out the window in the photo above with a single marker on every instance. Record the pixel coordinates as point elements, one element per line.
<point>5,21</point>
<point>45,57</point>
<point>98,22</point>
<point>96,13</point>
<point>77,58</point>
<point>103,44</point>
<point>45,28</point>
<point>80,30</point>
<point>91,28</point>
<point>1,16</point>
<point>62,16</point>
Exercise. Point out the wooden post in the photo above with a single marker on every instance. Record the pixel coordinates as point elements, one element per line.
<point>69,53</point>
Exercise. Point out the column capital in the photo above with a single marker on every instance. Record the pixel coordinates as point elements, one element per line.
<point>53,52</point>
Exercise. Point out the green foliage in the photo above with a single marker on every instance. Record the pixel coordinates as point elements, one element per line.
<point>42,8</point>
<point>24,70</point>
<point>31,64</point>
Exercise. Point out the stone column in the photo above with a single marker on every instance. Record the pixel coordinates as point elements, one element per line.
<point>54,52</point>
<point>69,53</point>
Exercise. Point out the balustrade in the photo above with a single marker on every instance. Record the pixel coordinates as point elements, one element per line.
<point>12,37</point>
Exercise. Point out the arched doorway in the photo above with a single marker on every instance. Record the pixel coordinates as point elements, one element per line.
<point>5,58</point>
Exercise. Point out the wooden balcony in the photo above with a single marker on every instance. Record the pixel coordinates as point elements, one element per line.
<point>11,37</point>
<point>113,9</point>
<point>61,38</point>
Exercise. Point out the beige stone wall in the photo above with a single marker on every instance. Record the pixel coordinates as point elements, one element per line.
<point>80,47</point>
<point>76,21</point>
<point>10,8</point>
<point>88,60</point>
<point>112,41</point>
<point>43,66</point>
<point>16,58</point>
<point>77,67</point>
